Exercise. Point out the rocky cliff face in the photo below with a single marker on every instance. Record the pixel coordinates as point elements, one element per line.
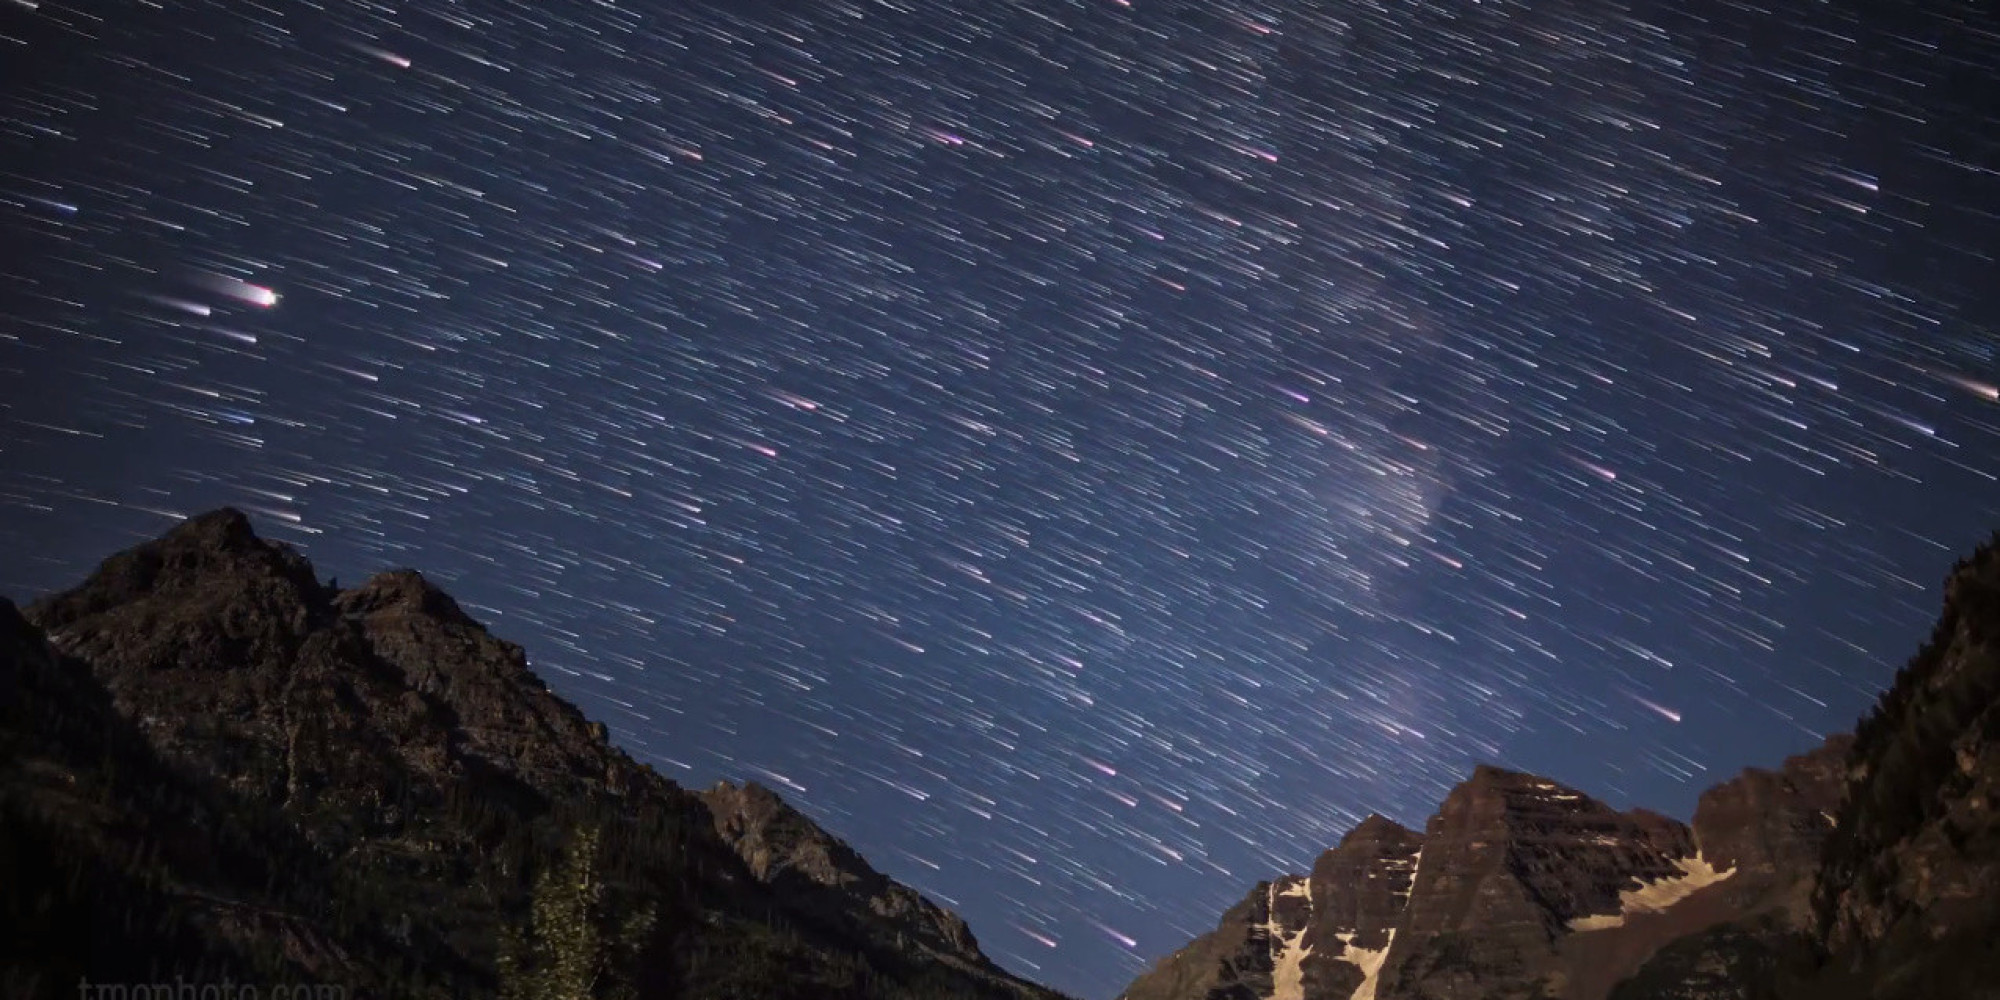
<point>1512,864</point>
<point>114,862</point>
<point>1773,822</point>
<point>1236,961</point>
<point>1359,891</point>
<point>1868,867</point>
<point>1908,902</point>
<point>786,850</point>
<point>215,762</point>
<point>1763,830</point>
<point>1519,887</point>
<point>1901,902</point>
<point>1322,934</point>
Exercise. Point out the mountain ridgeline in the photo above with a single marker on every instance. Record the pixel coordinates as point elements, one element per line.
<point>215,767</point>
<point>1865,869</point>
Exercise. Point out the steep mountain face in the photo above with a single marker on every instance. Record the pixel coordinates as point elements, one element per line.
<point>1774,822</point>
<point>115,864</point>
<point>1903,899</point>
<point>223,765</point>
<point>1358,892</point>
<point>1476,906</point>
<point>1520,887</point>
<point>788,851</point>
<point>1866,868</point>
<point>1763,832</point>
<point>1512,863</point>
<point>1908,903</point>
<point>1323,934</point>
<point>1236,961</point>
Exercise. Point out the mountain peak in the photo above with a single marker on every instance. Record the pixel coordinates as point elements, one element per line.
<point>1377,828</point>
<point>1495,776</point>
<point>783,848</point>
<point>404,590</point>
<point>222,528</point>
<point>206,559</point>
<point>1864,866</point>
<point>749,792</point>
<point>422,772</point>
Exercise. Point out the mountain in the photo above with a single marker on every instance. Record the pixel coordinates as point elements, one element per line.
<point>213,765</point>
<point>1867,868</point>
<point>786,850</point>
<point>1518,887</point>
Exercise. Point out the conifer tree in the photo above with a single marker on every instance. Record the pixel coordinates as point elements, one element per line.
<point>572,947</point>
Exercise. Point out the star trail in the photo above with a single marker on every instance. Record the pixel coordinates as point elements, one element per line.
<point>1086,453</point>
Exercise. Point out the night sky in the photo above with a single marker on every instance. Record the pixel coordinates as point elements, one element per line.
<point>1085,453</point>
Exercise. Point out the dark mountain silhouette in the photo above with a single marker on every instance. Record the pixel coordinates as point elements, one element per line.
<point>1866,869</point>
<point>212,765</point>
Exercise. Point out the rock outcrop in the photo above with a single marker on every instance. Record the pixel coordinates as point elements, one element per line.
<point>1512,863</point>
<point>212,765</point>
<point>1358,892</point>
<point>1236,961</point>
<point>1868,867</point>
<point>1763,830</point>
<point>1479,905</point>
<point>786,850</point>
<point>218,765</point>
<point>1323,934</point>
<point>1908,902</point>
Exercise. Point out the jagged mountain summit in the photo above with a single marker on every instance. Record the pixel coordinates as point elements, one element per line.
<point>1497,896</point>
<point>1868,867</point>
<point>213,765</point>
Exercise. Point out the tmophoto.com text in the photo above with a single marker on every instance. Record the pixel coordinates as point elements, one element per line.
<point>197,989</point>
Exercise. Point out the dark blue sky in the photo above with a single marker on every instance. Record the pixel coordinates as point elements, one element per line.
<point>1087,454</point>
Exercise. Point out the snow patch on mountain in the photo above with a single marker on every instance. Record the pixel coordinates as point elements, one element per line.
<point>1416,863</point>
<point>1658,895</point>
<point>1288,980</point>
<point>1370,961</point>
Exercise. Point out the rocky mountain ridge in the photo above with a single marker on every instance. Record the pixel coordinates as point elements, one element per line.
<point>213,764</point>
<point>1868,867</point>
